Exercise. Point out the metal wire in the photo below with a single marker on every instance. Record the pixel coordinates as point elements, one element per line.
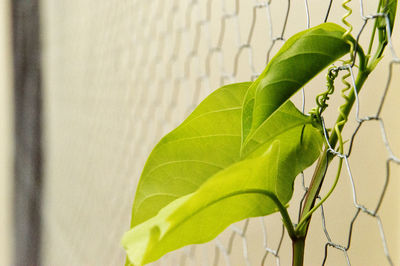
<point>391,158</point>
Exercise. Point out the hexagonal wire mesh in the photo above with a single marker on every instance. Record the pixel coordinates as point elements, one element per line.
<point>119,75</point>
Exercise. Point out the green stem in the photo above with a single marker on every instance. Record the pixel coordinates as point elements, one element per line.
<point>315,187</point>
<point>367,64</point>
<point>285,216</point>
<point>298,251</point>
<point>360,80</point>
<point>303,220</point>
<point>326,158</point>
<point>282,209</point>
<point>371,41</point>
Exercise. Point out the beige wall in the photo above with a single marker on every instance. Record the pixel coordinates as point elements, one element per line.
<point>113,88</point>
<point>5,137</point>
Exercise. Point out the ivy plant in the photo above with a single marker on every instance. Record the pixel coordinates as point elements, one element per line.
<point>237,155</point>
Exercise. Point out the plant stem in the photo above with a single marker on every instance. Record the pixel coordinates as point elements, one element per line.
<point>366,65</point>
<point>298,251</point>
<point>371,41</point>
<point>322,166</point>
<point>315,185</point>
<point>326,157</point>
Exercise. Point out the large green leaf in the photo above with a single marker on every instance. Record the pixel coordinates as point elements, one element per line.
<point>205,143</point>
<point>248,188</point>
<point>302,57</point>
<point>297,145</point>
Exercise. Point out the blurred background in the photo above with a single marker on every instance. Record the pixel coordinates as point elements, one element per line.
<point>87,88</point>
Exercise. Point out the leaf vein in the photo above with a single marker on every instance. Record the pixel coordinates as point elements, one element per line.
<point>182,161</point>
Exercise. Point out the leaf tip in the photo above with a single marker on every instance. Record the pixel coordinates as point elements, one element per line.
<point>138,246</point>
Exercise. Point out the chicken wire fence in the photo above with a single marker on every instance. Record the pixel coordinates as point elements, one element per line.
<point>119,75</point>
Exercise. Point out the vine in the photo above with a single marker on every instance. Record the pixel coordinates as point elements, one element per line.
<point>212,176</point>
<point>344,110</point>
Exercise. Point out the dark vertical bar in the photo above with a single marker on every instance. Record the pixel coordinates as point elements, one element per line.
<point>28,153</point>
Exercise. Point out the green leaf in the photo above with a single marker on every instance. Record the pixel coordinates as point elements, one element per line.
<point>205,143</point>
<point>237,154</point>
<point>302,57</point>
<point>298,148</point>
<point>283,119</point>
<point>252,187</point>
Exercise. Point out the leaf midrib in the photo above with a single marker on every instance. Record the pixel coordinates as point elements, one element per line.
<point>233,194</point>
<point>250,137</point>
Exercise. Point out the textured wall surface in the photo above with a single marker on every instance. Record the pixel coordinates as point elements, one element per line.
<point>120,74</point>
<point>6,130</point>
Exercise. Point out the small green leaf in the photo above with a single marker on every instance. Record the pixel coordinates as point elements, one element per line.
<point>248,188</point>
<point>302,57</point>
